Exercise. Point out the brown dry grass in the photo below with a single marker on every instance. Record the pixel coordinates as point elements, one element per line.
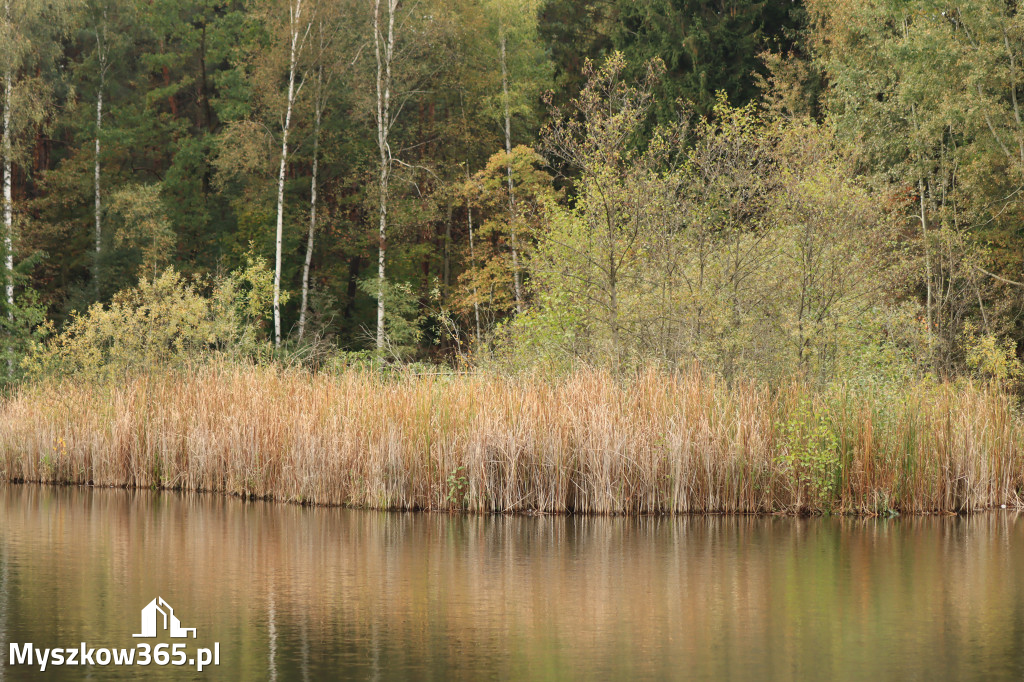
<point>590,443</point>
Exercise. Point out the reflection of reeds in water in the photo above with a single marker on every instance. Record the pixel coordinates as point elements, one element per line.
<point>587,443</point>
<point>443,596</point>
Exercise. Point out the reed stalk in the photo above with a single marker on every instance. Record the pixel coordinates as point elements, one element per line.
<point>655,443</point>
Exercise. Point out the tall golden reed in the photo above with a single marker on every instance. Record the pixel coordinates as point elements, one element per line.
<point>589,443</point>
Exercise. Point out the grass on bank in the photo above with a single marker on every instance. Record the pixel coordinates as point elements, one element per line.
<point>587,443</point>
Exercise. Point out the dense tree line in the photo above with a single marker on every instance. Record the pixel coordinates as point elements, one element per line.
<point>766,186</point>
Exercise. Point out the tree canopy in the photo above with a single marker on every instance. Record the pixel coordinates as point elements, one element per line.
<point>765,186</point>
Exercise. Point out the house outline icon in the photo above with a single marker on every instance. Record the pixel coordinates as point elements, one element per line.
<point>150,622</point>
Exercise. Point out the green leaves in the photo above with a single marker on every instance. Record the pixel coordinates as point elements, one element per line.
<point>403,317</point>
<point>810,450</point>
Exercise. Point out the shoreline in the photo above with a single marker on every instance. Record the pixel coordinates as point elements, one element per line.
<point>1016,507</point>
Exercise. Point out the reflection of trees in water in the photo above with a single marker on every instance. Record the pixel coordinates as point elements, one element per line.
<point>312,590</point>
<point>271,636</point>
<point>3,596</point>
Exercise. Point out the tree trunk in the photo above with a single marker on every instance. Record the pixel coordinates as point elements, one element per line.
<point>293,56</point>
<point>472,259</point>
<point>927,261</point>
<point>97,196</point>
<point>383,129</point>
<point>280,222</point>
<point>98,203</point>
<point>8,200</point>
<point>516,282</point>
<point>446,253</point>
<point>613,306</point>
<point>318,115</point>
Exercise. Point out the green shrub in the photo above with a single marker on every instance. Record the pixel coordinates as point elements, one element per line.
<point>811,452</point>
<point>403,320</point>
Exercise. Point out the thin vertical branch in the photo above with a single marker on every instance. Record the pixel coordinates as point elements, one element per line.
<point>513,241</point>
<point>317,118</point>
<point>385,58</point>
<point>101,56</point>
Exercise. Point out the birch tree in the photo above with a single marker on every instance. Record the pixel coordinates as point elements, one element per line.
<point>101,56</point>
<point>319,101</point>
<point>286,25</point>
<point>25,35</point>
<point>507,110</point>
<point>7,150</point>
<point>102,66</point>
<point>472,261</point>
<point>516,25</point>
<point>300,22</point>
<point>384,51</point>
<point>412,57</point>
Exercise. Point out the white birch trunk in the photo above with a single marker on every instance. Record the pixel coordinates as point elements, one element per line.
<point>516,281</point>
<point>927,261</point>
<point>312,205</point>
<point>472,259</point>
<point>8,208</point>
<point>383,129</point>
<point>101,53</point>
<point>7,150</point>
<point>8,200</point>
<point>98,202</point>
<point>294,16</point>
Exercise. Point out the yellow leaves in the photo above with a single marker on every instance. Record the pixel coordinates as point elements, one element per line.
<point>487,284</point>
<point>532,184</point>
<point>990,357</point>
<point>146,225</point>
<point>245,148</point>
<point>251,288</point>
<point>510,195</point>
<point>164,322</point>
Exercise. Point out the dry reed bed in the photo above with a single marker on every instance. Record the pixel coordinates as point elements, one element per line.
<point>683,443</point>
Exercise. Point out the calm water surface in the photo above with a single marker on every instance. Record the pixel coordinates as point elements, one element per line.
<point>293,593</point>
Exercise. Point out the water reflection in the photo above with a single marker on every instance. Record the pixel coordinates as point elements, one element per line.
<point>295,593</point>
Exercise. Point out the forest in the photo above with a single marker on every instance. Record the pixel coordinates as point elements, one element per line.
<point>829,188</point>
<point>806,217</point>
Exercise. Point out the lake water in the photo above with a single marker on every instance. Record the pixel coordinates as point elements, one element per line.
<point>298,593</point>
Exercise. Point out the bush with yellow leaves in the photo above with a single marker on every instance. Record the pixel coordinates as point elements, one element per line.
<point>164,322</point>
<point>991,358</point>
